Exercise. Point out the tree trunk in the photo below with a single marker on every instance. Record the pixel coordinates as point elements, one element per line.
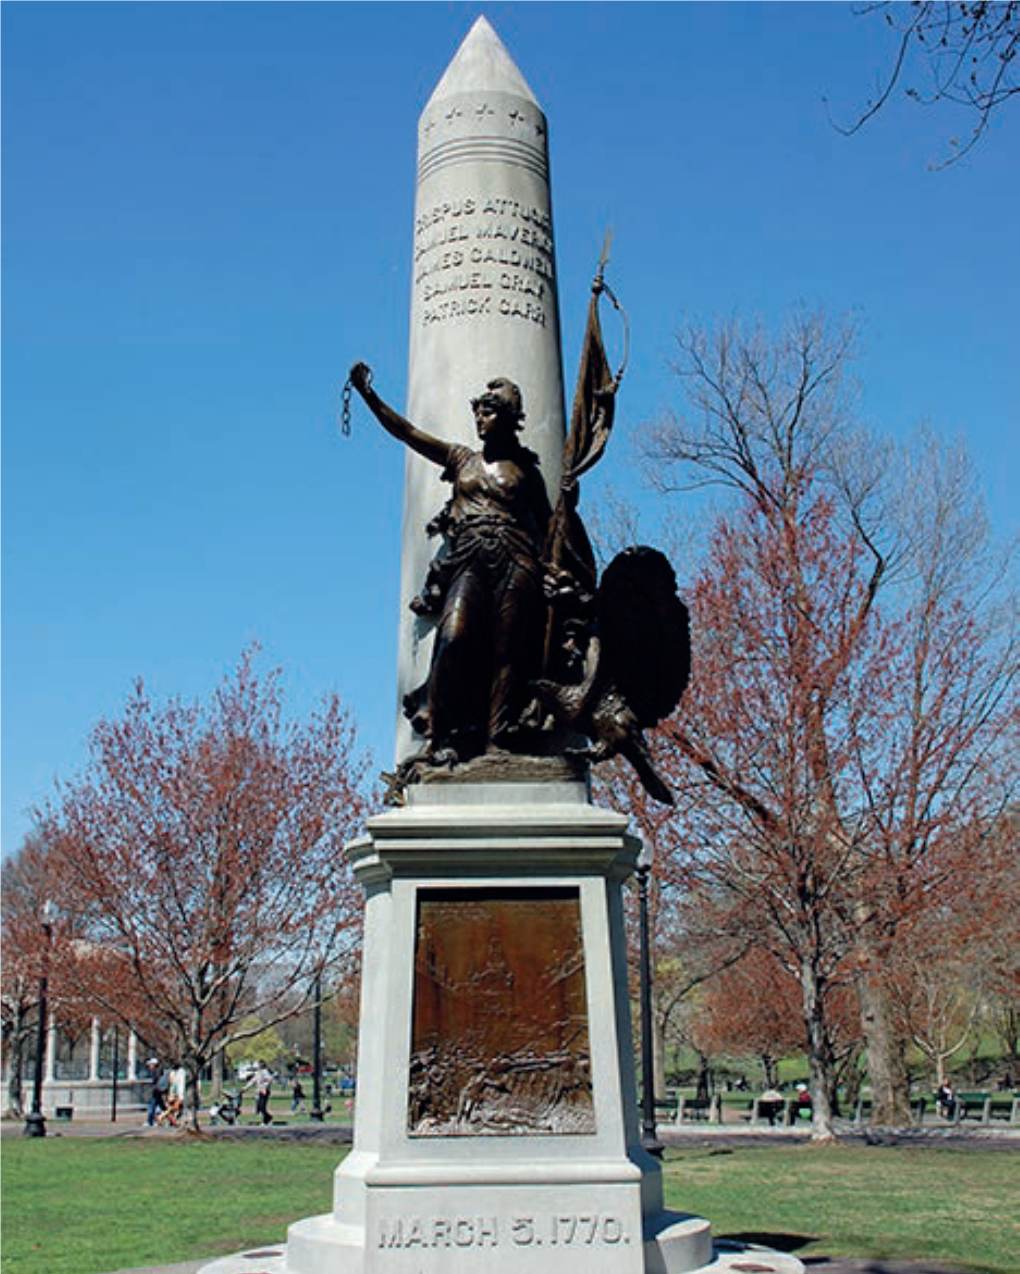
<point>193,1067</point>
<point>15,1062</point>
<point>1009,1033</point>
<point>852,1078</point>
<point>703,1092</point>
<point>853,1091</point>
<point>819,1053</point>
<point>887,1062</point>
<point>217,1075</point>
<point>659,1055</point>
<point>770,1070</point>
<point>193,1061</point>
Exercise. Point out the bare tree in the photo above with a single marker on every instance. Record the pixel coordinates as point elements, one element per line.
<point>966,53</point>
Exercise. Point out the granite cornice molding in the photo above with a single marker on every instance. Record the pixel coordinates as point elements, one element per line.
<point>470,858</point>
<point>369,869</point>
<point>463,837</point>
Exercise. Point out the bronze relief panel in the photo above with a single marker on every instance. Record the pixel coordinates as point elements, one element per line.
<point>500,1042</point>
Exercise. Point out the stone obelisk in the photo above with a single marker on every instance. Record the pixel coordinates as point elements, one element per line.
<point>496,1127</point>
<point>484,297</point>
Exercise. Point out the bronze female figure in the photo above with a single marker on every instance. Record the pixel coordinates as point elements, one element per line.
<point>486,586</point>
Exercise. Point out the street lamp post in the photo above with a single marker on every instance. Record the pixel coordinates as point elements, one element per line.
<point>316,1111</point>
<point>649,1137</point>
<point>116,1063</point>
<point>35,1121</point>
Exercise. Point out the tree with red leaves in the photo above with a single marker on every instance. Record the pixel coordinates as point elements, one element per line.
<point>994,930</point>
<point>199,859</point>
<point>754,1008</point>
<point>25,963</point>
<point>942,760</point>
<point>762,770</point>
<point>829,761</point>
<point>957,968</point>
<point>38,951</point>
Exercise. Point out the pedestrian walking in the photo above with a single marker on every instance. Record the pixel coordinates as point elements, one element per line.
<point>159,1086</point>
<point>263,1091</point>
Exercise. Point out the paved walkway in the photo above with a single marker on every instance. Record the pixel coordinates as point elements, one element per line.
<point>812,1264</point>
<point>1006,1136</point>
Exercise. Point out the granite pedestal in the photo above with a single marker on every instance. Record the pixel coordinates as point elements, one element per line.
<point>496,1125</point>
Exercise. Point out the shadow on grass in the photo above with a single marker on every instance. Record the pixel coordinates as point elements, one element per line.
<point>762,1238</point>
<point>874,1265</point>
<point>791,1243</point>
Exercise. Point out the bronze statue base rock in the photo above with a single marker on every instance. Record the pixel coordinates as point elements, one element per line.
<point>492,767</point>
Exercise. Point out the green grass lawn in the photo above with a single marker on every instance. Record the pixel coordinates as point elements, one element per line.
<point>953,1206</point>
<point>84,1206</point>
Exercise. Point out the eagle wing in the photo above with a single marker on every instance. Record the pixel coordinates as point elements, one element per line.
<point>645,633</point>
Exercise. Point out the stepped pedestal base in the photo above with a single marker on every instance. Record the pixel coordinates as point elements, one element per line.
<point>496,1126</point>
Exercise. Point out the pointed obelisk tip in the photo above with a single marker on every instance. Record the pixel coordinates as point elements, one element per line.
<point>482,64</point>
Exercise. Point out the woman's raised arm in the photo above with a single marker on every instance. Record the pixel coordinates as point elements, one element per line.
<point>424,444</point>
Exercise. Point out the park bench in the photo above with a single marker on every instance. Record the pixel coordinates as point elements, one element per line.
<point>772,1113</point>
<point>63,1112</point>
<point>918,1106</point>
<point>696,1109</point>
<point>970,1106</point>
<point>665,1108</point>
<point>984,1107</point>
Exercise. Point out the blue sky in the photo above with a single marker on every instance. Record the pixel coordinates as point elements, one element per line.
<point>207,217</point>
